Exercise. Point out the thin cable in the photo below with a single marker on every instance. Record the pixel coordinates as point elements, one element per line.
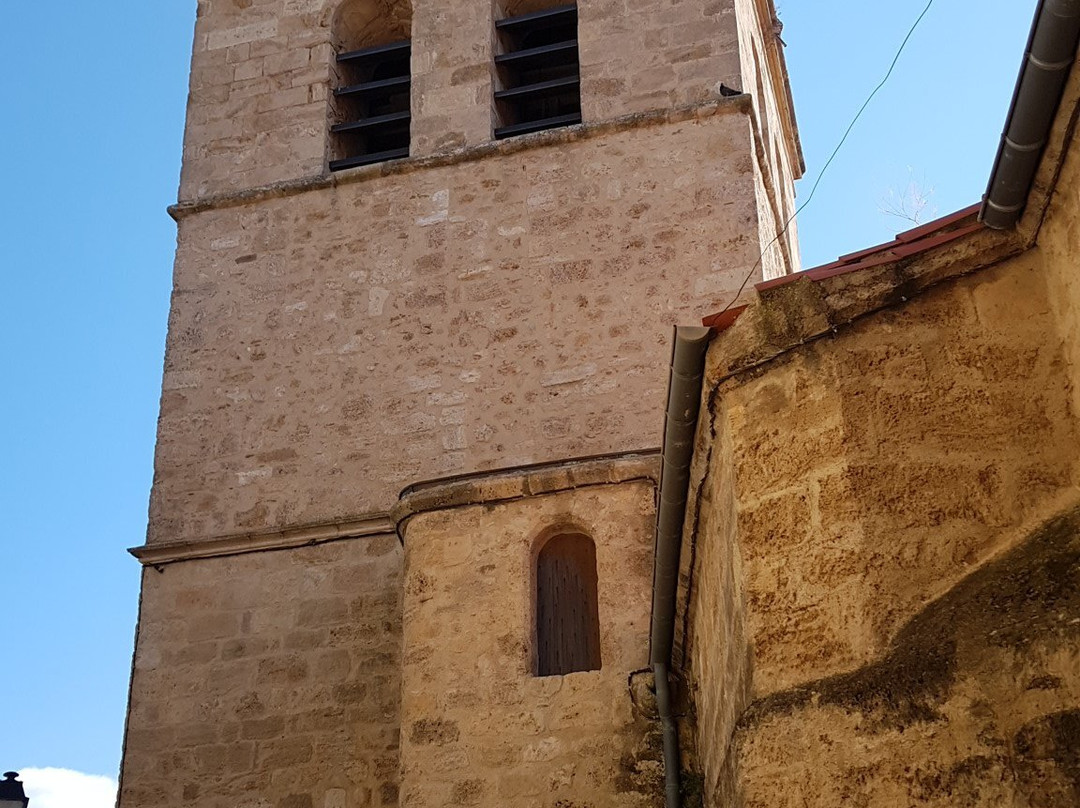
<point>832,157</point>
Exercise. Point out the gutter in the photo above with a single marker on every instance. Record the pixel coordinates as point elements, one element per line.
<point>680,424</point>
<point>1048,59</point>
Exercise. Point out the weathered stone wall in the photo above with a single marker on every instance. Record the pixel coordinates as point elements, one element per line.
<point>478,728</point>
<point>268,680</point>
<point>329,347</point>
<point>720,671</point>
<point>976,702</point>
<point>258,106</point>
<point>777,151</point>
<point>1058,246</point>
<point>258,98</point>
<point>639,55</point>
<point>884,607</point>
<point>333,339</point>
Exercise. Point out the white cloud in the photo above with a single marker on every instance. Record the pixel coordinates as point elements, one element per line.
<point>64,788</point>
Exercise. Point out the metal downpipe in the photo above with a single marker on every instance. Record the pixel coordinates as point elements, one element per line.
<point>1049,58</point>
<point>672,786</point>
<point>680,424</point>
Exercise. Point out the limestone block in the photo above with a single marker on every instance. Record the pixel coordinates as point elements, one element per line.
<point>418,325</point>
<point>479,728</point>
<point>870,497</point>
<point>296,701</point>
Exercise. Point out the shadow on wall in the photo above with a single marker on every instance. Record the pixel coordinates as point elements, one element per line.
<point>991,668</point>
<point>956,433</point>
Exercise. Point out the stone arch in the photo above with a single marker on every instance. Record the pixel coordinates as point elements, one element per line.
<point>566,605</point>
<point>513,8</point>
<point>365,23</point>
<point>359,130</point>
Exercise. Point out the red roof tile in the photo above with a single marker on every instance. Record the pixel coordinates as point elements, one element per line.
<point>721,321</point>
<point>910,242</point>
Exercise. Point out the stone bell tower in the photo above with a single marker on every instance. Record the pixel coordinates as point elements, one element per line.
<point>429,258</point>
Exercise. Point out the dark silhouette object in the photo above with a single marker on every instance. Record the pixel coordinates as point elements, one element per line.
<point>538,81</point>
<point>11,792</point>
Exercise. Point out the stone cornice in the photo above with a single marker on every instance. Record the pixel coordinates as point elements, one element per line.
<point>480,488</point>
<point>551,137</point>
<point>809,306</point>
<point>801,309</point>
<point>766,12</point>
<point>512,484</point>
<point>156,555</point>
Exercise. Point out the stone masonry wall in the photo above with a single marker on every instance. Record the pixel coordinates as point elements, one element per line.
<point>882,610</point>
<point>329,347</point>
<point>258,105</point>
<point>639,55</point>
<point>976,702</point>
<point>1059,244</point>
<point>478,728</point>
<point>268,680</point>
<point>720,671</point>
<point>777,169</point>
<point>927,432</point>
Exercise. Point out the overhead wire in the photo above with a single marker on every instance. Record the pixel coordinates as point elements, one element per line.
<point>832,157</point>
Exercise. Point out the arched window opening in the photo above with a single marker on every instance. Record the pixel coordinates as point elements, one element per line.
<point>537,76</point>
<point>370,104</point>
<point>567,615</point>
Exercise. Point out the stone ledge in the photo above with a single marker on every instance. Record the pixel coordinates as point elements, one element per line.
<point>551,137</point>
<point>1010,578</point>
<point>474,489</point>
<point>802,309</point>
<point>154,555</point>
<point>511,484</point>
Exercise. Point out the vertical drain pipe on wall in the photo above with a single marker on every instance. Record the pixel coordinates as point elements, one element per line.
<point>680,425</point>
<point>1048,60</point>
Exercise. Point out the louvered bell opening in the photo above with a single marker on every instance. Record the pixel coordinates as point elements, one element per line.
<point>538,77</point>
<point>373,105</point>
<point>567,612</point>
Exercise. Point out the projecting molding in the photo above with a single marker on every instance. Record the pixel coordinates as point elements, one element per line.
<point>157,554</point>
<point>474,489</point>
<point>549,137</point>
<point>528,481</point>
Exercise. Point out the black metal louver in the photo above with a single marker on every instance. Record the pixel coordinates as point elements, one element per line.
<point>538,72</point>
<point>373,102</point>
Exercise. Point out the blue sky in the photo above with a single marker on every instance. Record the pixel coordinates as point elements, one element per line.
<point>937,122</point>
<point>93,100</point>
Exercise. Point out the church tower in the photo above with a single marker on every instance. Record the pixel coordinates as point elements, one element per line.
<point>429,258</point>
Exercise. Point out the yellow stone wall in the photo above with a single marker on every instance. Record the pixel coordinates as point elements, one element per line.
<point>1058,248</point>
<point>268,679</point>
<point>884,606</point>
<point>477,726</point>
